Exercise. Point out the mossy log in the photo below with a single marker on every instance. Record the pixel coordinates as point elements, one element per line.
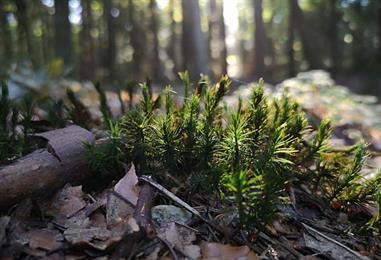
<point>64,160</point>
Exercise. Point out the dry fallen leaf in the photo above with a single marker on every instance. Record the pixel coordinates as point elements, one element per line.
<point>68,202</point>
<point>127,186</point>
<point>226,252</point>
<point>43,239</point>
<point>181,238</point>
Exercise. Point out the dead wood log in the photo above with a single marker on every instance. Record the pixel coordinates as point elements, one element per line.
<point>64,160</point>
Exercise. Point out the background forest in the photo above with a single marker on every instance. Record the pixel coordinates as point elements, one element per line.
<point>117,40</point>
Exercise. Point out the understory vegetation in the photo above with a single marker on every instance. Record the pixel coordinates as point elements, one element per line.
<point>248,159</point>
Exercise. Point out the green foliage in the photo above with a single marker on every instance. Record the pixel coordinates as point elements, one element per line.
<point>108,157</point>
<point>11,143</point>
<point>104,108</point>
<point>375,222</point>
<point>249,156</point>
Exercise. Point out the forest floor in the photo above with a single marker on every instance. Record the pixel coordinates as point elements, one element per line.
<point>138,217</point>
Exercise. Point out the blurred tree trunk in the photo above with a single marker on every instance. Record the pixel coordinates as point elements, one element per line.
<point>137,41</point>
<point>307,39</point>
<point>222,38</point>
<point>63,45</point>
<point>290,40</point>
<point>259,40</point>
<point>45,36</point>
<point>6,36</point>
<point>212,27</point>
<point>156,66</point>
<point>111,45</point>
<point>244,54</point>
<point>379,34</point>
<point>333,37</point>
<point>173,52</point>
<point>25,35</point>
<point>193,43</point>
<point>88,49</point>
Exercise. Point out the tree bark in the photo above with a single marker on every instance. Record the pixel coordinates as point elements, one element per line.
<point>379,35</point>
<point>7,36</point>
<point>259,40</point>
<point>193,43</point>
<point>222,37</point>
<point>156,66</point>
<point>306,37</point>
<point>290,41</point>
<point>111,45</point>
<point>46,170</point>
<point>62,30</point>
<point>25,35</point>
<point>333,38</point>
<point>137,41</point>
<point>173,50</point>
<point>88,49</point>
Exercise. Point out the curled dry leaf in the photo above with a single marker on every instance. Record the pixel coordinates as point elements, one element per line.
<point>226,252</point>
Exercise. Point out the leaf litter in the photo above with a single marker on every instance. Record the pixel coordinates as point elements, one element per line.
<point>78,227</point>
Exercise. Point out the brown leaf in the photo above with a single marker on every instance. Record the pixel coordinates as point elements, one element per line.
<point>127,186</point>
<point>226,252</point>
<point>180,237</point>
<point>68,201</point>
<point>77,236</point>
<point>43,239</point>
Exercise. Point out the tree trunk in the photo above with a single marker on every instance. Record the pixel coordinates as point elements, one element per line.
<point>222,37</point>
<point>87,53</point>
<point>156,66</point>
<point>6,38</point>
<point>290,41</point>
<point>379,35</point>
<point>193,43</point>
<point>307,39</point>
<point>259,40</point>
<point>62,30</point>
<point>46,170</point>
<point>211,27</point>
<point>137,41</point>
<point>333,37</point>
<point>25,35</point>
<point>111,45</point>
<point>173,50</point>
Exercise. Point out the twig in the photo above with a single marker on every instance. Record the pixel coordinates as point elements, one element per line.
<point>182,203</point>
<point>186,226</point>
<point>170,247</point>
<point>310,229</point>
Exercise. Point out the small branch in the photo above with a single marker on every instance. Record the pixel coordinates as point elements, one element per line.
<point>312,230</point>
<point>182,203</point>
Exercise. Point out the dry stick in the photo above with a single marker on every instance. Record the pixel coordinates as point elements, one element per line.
<point>142,215</point>
<point>310,229</point>
<point>182,203</point>
<point>170,247</point>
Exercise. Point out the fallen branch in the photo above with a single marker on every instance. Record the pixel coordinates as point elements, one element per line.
<point>43,171</point>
